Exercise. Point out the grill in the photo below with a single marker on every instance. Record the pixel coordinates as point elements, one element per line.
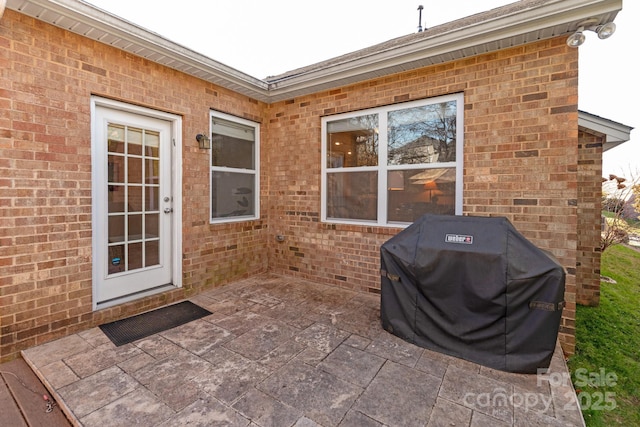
<point>473,288</point>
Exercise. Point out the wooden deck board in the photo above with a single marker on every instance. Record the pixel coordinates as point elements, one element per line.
<point>22,398</point>
<point>11,416</point>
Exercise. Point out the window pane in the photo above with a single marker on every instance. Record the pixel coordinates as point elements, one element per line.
<point>232,145</point>
<point>413,193</point>
<point>352,195</point>
<point>353,142</point>
<point>359,154</point>
<point>425,134</point>
<point>233,194</point>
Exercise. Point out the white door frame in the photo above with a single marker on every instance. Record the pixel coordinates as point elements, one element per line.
<point>176,182</point>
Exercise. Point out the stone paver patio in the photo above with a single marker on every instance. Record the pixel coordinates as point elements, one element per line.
<point>279,351</point>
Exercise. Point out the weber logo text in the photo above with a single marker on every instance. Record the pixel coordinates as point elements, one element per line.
<point>459,238</point>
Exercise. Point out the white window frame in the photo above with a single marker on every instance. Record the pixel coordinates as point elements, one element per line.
<point>255,171</point>
<point>382,168</point>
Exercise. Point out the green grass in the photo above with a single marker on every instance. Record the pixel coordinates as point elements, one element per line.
<point>608,345</point>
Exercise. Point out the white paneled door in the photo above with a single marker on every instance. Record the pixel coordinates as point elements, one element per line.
<point>133,210</point>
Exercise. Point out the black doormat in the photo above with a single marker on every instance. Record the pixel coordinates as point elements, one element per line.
<point>143,325</point>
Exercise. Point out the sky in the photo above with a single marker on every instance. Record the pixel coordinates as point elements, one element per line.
<point>266,38</point>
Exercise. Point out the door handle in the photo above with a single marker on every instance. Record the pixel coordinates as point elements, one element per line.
<point>168,210</point>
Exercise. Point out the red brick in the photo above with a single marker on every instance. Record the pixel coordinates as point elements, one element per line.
<point>517,100</point>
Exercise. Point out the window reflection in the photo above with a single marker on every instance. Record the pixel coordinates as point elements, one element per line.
<point>232,194</point>
<point>232,145</point>
<point>413,193</point>
<point>353,142</point>
<point>352,195</point>
<point>392,164</point>
<point>424,134</point>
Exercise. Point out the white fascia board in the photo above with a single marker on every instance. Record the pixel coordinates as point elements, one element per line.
<point>550,19</point>
<point>83,15</point>
<point>615,133</point>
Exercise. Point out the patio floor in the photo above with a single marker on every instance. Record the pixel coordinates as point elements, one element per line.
<point>280,351</point>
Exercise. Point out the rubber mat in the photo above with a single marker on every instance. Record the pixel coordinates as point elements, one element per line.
<point>143,325</point>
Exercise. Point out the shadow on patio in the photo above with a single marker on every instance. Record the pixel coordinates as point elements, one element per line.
<point>280,351</point>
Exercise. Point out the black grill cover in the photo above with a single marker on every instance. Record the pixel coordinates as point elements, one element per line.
<point>474,288</point>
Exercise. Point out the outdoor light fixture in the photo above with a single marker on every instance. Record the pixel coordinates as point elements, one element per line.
<point>604,32</point>
<point>576,39</point>
<point>203,141</point>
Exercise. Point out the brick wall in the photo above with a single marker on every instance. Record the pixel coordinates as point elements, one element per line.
<point>520,161</point>
<point>589,214</point>
<point>47,76</point>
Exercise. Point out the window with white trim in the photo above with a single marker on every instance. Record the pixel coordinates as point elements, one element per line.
<point>235,163</point>
<point>390,165</point>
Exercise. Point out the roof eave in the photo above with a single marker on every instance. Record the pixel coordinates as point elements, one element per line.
<point>541,21</point>
<point>615,133</point>
<point>546,21</point>
<point>89,21</point>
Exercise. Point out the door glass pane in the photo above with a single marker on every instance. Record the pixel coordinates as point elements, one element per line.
<point>151,225</point>
<point>233,194</point>
<point>151,171</point>
<point>115,143</point>
<point>134,170</point>
<point>352,195</point>
<point>135,227</point>
<point>425,134</point>
<point>152,253</point>
<point>134,141</point>
<point>116,228</point>
<point>115,169</point>
<point>116,259</point>
<point>116,198</point>
<point>134,198</point>
<point>353,142</point>
<point>413,193</point>
<point>135,256</point>
<point>151,198</point>
<point>151,144</point>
